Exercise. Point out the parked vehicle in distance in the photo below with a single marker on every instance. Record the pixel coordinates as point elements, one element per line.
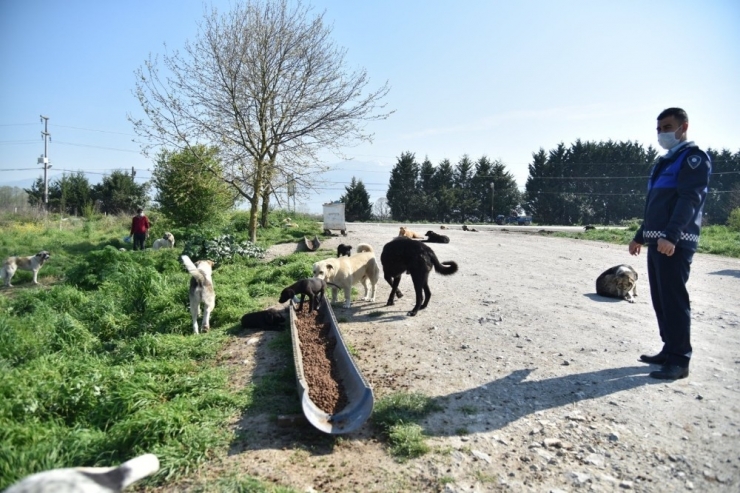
<point>518,220</point>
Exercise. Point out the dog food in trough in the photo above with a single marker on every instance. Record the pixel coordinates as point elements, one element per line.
<point>334,395</point>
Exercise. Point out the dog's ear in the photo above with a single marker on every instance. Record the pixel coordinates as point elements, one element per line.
<point>329,267</point>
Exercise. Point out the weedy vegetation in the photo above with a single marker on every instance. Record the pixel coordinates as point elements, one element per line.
<point>99,363</point>
<point>397,417</point>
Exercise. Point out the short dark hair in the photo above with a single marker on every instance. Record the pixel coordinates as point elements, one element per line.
<point>679,113</point>
<point>139,210</point>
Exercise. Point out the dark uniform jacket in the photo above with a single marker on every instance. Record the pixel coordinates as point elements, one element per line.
<point>677,190</point>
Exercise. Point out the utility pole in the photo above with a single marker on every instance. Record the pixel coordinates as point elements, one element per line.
<point>45,159</point>
<point>493,185</point>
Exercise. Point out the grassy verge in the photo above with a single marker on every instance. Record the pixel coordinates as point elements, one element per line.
<point>98,364</point>
<point>716,240</point>
<point>397,417</point>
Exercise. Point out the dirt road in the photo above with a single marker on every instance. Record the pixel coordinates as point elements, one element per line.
<point>538,377</point>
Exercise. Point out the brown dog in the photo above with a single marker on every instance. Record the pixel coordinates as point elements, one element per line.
<point>408,233</point>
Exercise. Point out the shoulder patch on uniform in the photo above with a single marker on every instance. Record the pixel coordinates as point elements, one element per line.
<point>694,161</point>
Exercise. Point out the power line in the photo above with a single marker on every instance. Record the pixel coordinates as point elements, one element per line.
<point>95,147</point>
<point>96,130</point>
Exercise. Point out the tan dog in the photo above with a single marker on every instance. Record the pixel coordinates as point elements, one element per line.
<point>32,263</point>
<point>166,241</point>
<point>408,233</point>
<point>201,291</point>
<point>348,271</point>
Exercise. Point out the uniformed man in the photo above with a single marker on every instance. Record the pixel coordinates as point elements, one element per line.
<point>677,190</point>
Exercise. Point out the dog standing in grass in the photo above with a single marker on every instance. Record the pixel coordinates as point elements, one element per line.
<point>166,241</point>
<point>32,263</point>
<point>201,291</point>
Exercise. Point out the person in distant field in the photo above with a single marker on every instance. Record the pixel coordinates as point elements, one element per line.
<point>677,190</point>
<point>139,229</point>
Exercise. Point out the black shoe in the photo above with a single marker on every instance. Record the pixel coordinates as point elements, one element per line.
<point>656,359</point>
<point>670,372</point>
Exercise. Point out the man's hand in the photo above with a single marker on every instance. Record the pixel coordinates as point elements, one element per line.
<point>635,248</point>
<point>666,247</point>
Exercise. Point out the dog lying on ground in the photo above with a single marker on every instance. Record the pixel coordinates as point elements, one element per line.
<point>588,227</point>
<point>272,318</point>
<point>443,227</point>
<point>166,241</point>
<point>344,250</point>
<point>201,291</point>
<point>344,272</point>
<point>88,479</point>
<point>311,287</point>
<point>408,233</point>
<point>433,237</point>
<point>32,263</point>
<point>619,281</point>
<point>417,259</point>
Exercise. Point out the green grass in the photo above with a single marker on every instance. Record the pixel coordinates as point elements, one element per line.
<point>397,417</point>
<point>716,240</point>
<point>99,364</point>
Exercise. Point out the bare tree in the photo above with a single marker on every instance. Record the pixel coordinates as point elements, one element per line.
<point>381,209</point>
<point>264,84</point>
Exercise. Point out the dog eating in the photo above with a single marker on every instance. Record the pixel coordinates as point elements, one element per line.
<point>414,258</point>
<point>32,263</point>
<point>201,291</point>
<point>619,281</point>
<point>311,287</point>
<point>344,272</point>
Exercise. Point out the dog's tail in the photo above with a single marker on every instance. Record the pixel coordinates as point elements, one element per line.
<point>364,247</point>
<point>444,268</point>
<point>194,271</point>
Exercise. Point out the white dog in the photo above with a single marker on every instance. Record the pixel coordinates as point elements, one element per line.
<point>88,479</point>
<point>32,263</point>
<point>166,241</point>
<point>201,291</point>
<point>348,271</point>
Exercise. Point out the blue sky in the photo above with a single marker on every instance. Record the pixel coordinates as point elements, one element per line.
<point>482,77</point>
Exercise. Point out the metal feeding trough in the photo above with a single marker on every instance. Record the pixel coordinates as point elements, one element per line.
<point>360,398</point>
<point>312,244</point>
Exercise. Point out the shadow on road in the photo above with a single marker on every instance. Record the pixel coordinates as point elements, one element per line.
<point>726,272</point>
<point>601,299</point>
<point>500,402</point>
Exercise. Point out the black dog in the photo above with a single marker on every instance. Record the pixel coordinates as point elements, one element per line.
<point>311,286</point>
<point>433,237</point>
<point>344,250</point>
<point>589,226</point>
<point>273,318</point>
<point>416,258</point>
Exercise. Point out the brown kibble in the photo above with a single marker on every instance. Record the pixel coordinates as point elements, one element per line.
<point>325,386</point>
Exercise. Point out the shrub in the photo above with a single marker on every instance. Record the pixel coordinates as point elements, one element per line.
<point>733,222</point>
<point>221,249</point>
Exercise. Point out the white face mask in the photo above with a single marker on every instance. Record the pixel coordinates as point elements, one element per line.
<point>668,140</point>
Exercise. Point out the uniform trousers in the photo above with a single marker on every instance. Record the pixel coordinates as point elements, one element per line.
<point>668,277</point>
